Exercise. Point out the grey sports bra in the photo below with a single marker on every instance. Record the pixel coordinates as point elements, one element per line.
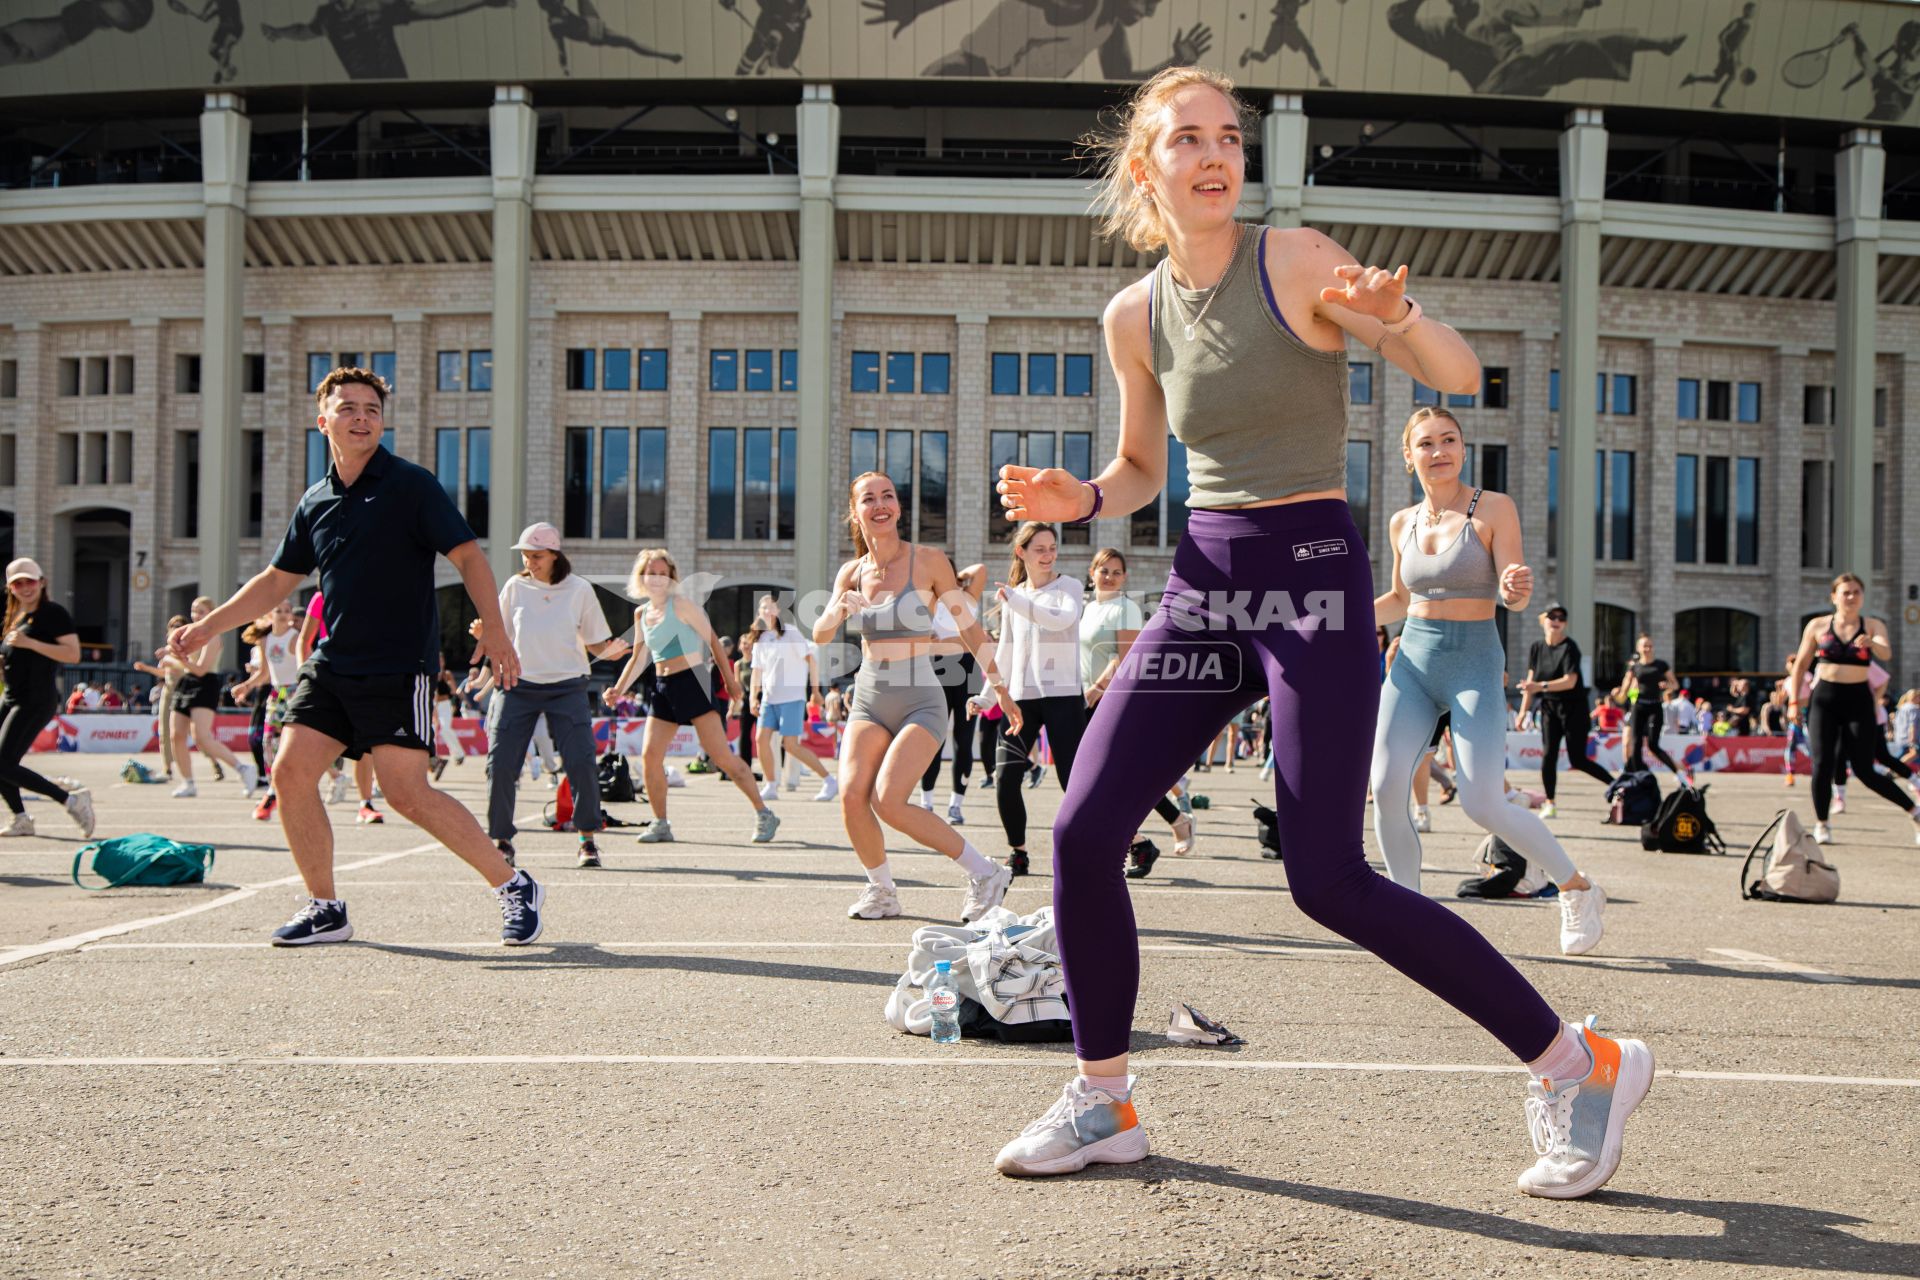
<point>904,617</point>
<point>1461,570</point>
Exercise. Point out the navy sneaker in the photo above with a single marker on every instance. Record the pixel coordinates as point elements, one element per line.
<point>589,852</point>
<point>520,901</point>
<point>318,921</point>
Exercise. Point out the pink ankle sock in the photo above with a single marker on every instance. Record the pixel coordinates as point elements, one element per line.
<point>1567,1060</point>
<point>1115,1085</point>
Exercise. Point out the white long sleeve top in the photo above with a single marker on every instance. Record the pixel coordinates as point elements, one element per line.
<point>1040,639</point>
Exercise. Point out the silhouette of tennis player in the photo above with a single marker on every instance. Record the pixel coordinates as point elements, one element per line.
<point>361,31</point>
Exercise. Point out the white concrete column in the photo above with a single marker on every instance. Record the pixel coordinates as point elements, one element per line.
<point>1858,179</point>
<point>1284,158</point>
<point>967,478</point>
<point>1903,510</point>
<point>146,598</point>
<point>225,134</point>
<point>819,137</point>
<point>1583,177</point>
<point>1780,499</point>
<point>1653,540</point>
<point>514,128</point>
<point>1527,460</point>
<point>687,440</point>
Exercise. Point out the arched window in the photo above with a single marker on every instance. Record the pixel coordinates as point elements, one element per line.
<point>1713,640</point>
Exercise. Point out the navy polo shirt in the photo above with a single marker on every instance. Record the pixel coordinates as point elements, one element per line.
<point>374,543</point>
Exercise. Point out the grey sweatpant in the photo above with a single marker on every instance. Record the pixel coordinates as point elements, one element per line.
<point>569,719</point>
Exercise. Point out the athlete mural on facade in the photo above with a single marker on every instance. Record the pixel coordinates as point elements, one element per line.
<point>586,26</point>
<point>774,37</point>
<point>1481,39</point>
<point>32,39</point>
<point>362,31</point>
<point>1047,39</point>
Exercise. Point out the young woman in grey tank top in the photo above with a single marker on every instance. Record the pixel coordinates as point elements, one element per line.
<point>1445,583</point>
<point>1237,345</point>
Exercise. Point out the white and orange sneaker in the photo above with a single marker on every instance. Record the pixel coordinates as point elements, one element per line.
<point>1577,1128</point>
<point>1086,1126</point>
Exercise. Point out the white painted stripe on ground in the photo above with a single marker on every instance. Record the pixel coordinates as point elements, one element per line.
<point>788,886</point>
<point>14,955</point>
<point>1778,966</point>
<point>901,944</point>
<point>939,1061</point>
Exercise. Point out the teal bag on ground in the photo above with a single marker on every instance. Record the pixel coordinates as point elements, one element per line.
<point>144,859</point>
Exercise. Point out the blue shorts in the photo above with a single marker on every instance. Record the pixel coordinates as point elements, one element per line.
<point>786,719</point>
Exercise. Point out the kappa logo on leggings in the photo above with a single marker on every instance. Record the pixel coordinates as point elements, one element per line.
<point>1317,550</point>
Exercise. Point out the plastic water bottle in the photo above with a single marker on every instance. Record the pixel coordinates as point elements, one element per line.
<point>945,998</point>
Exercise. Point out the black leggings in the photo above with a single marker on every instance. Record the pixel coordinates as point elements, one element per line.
<point>986,745</point>
<point>257,730</point>
<point>1569,723</point>
<point>1065,719</point>
<point>20,724</point>
<point>1648,717</point>
<point>1841,725</point>
<point>956,679</point>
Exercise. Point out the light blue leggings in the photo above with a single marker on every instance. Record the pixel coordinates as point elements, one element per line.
<point>1450,666</point>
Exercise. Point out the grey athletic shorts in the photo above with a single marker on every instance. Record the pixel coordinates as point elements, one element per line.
<point>898,692</point>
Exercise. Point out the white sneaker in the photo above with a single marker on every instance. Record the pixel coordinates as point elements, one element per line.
<point>955,814</point>
<point>249,779</point>
<point>186,790</point>
<point>765,823</point>
<point>1531,882</point>
<point>80,809</point>
<point>985,893</point>
<point>1839,804</point>
<point>1548,810</point>
<point>770,791</point>
<point>339,795</point>
<point>877,903</point>
<point>675,778</point>
<point>22,825</point>
<point>1086,1126</point>
<point>1580,919</point>
<point>829,789</point>
<point>1578,1128</point>
<point>1822,833</point>
<point>1422,819</point>
<point>659,831</point>
<point>926,800</point>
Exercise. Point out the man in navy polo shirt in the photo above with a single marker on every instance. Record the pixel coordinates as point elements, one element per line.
<point>373,528</point>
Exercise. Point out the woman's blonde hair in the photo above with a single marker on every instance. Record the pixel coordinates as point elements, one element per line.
<point>1126,212</point>
<point>636,588</point>
<point>853,514</point>
<point>1910,697</point>
<point>1419,416</point>
<point>1026,533</point>
<point>15,610</point>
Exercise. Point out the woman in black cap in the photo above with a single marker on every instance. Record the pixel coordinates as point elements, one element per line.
<point>1553,676</point>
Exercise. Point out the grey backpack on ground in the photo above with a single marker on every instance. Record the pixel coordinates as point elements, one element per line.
<point>1792,870</point>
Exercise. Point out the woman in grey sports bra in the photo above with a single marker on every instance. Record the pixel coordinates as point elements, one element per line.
<point>896,722</point>
<point>1444,586</point>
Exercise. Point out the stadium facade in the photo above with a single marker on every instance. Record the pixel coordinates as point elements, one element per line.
<point>667,272</point>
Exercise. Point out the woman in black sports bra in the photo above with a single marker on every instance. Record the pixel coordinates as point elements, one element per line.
<point>1840,648</point>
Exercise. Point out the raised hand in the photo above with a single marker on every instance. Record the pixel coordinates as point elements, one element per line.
<point>1042,493</point>
<point>1191,45</point>
<point>1370,291</point>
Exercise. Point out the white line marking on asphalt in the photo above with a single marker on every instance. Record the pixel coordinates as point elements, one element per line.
<point>937,1061</point>
<point>784,886</point>
<point>14,955</point>
<point>899,945</point>
<point>1757,960</point>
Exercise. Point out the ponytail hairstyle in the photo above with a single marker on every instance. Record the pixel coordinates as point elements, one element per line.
<point>853,513</point>
<point>1127,212</point>
<point>1026,533</point>
<point>17,611</point>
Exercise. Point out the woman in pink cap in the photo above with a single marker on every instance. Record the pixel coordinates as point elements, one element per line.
<point>36,638</point>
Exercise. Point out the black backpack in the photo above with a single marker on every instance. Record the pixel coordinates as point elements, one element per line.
<point>616,779</point>
<point>1633,798</point>
<point>1269,831</point>
<point>1681,825</point>
<point>1508,867</point>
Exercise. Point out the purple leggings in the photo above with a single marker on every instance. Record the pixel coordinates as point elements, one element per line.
<point>1282,596</point>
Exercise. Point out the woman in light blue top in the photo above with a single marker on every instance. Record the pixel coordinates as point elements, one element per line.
<point>673,636</point>
<point>1445,586</point>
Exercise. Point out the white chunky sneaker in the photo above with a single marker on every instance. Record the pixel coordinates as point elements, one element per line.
<point>249,779</point>
<point>1577,1128</point>
<point>1422,818</point>
<point>1086,1126</point>
<point>186,790</point>
<point>829,789</point>
<point>1548,810</point>
<point>22,825</point>
<point>877,902</point>
<point>769,791</point>
<point>80,809</point>
<point>955,814</point>
<point>1822,833</point>
<point>1580,919</point>
<point>985,893</point>
<point>659,831</point>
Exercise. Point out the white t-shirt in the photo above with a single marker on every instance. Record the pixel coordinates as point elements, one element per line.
<point>1040,639</point>
<point>1100,628</point>
<point>281,656</point>
<point>551,625</point>
<point>781,661</point>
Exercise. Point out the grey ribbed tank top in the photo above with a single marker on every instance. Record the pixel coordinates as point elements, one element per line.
<point>1262,414</point>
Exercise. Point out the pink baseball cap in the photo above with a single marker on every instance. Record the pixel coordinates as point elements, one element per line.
<point>24,568</point>
<point>538,537</point>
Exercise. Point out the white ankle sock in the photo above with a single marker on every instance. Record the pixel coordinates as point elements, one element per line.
<point>1567,1060</point>
<point>1115,1085</point>
<point>881,875</point>
<point>975,863</point>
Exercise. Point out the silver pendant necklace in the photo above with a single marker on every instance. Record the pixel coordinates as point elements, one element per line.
<point>1193,323</point>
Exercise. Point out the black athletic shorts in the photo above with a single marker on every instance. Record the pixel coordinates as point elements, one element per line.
<point>364,712</point>
<point>197,693</point>
<point>680,698</point>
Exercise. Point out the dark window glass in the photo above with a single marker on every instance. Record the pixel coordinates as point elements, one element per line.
<point>1360,486</point>
<point>756,490</point>
<point>1003,449</point>
<point>723,370</point>
<point>900,470</point>
<point>1717,500</point>
<point>1622,506</point>
<point>1879,511</point>
<point>320,364</point>
<point>1553,501</point>
<point>1879,405</point>
<point>1177,490</point>
<point>1746,511</point>
<point>1040,375</point>
<point>759,370</point>
<point>256,442</point>
<point>576,517</point>
<point>1719,401</point>
<point>1079,376</point>
<point>580,361</point>
<point>447,378</point>
<point>1599,393</point>
<point>1493,385</point>
<point>1816,405</point>
<point>1040,448</point>
<point>319,458</point>
<point>1076,456</point>
<point>900,373</point>
<point>865,372</point>
<point>1686,399</point>
<point>1749,402</point>
<point>1715,640</point>
<point>479,476</point>
<point>1493,467</point>
<point>789,469</point>
<point>615,473</point>
<point>616,369</point>
<point>1813,515</point>
<point>936,373</point>
<point>650,484</point>
<point>385,364</point>
<point>1553,390</point>
<point>721,468</point>
<point>351,360</point>
<point>1686,508</point>
<point>186,473</point>
<point>863,453</point>
<point>1006,373</point>
<point>1360,382</point>
<point>1626,394</point>
<point>254,379</point>
<point>653,369</point>
<point>446,461</point>
<point>1599,504</point>
<point>1424,394</point>
<point>1455,400</point>
<point>789,370</point>
<point>479,370</point>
